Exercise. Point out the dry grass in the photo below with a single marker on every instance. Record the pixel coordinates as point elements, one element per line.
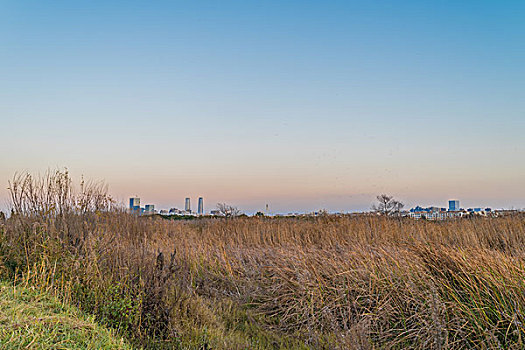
<point>329,282</point>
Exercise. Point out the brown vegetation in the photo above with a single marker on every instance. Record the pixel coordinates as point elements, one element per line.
<point>326,282</point>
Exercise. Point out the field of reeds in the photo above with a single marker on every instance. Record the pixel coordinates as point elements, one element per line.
<point>350,282</point>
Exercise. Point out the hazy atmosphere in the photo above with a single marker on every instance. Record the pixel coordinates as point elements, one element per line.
<point>301,105</point>
<point>262,175</point>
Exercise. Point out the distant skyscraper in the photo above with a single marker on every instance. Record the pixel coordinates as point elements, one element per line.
<point>453,205</point>
<point>200,209</point>
<point>149,208</point>
<point>187,205</point>
<point>134,203</point>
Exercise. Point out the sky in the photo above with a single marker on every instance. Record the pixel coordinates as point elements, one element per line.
<point>301,105</point>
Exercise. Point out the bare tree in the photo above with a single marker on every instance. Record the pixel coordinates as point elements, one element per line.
<point>398,206</point>
<point>228,210</point>
<point>387,205</point>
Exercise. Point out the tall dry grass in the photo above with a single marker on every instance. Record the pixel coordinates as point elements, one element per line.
<point>328,282</point>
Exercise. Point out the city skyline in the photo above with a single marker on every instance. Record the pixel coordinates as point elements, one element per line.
<point>385,205</point>
<point>300,105</point>
<point>450,205</point>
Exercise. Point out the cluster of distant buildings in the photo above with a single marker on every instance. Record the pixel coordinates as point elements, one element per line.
<point>453,211</point>
<point>429,213</point>
<point>149,209</point>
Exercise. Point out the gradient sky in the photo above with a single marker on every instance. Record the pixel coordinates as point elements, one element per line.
<point>299,104</point>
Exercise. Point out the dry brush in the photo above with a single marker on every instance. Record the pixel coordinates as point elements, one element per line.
<point>327,282</point>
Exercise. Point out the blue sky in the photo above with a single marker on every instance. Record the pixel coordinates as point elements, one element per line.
<point>302,105</point>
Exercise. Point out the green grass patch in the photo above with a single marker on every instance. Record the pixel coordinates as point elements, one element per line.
<point>35,320</point>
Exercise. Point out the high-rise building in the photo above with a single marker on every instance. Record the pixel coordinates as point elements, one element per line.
<point>134,203</point>
<point>149,208</point>
<point>200,209</point>
<point>453,205</point>
<point>187,205</point>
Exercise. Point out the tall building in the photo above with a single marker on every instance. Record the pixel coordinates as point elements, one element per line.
<point>134,203</point>
<point>149,208</point>
<point>187,205</point>
<point>200,209</point>
<point>453,205</point>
